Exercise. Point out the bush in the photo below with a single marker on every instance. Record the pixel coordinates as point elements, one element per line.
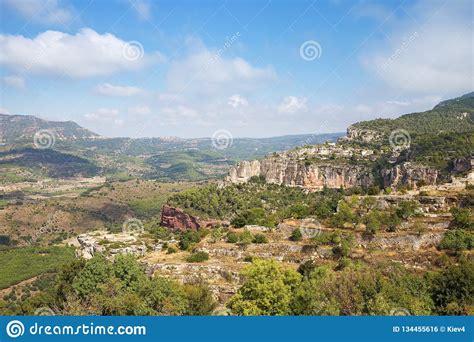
<point>306,268</point>
<point>406,209</point>
<point>296,235</point>
<point>232,237</point>
<point>171,250</point>
<point>245,237</point>
<point>260,238</point>
<point>462,218</point>
<point>453,289</point>
<point>457,240</point>
<point>198,257</point>
<point>188,239</point>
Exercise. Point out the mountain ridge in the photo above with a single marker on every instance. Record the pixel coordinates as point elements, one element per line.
<point>414,149</point>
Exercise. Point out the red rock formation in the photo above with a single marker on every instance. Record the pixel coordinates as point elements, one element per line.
<point>176,219</point>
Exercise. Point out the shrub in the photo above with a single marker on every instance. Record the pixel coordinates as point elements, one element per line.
<point>188,239</point>
<point>232,237</point>
<point>296,235</point>
<point>268,289</point>
<point>245,237</point>
<point>306,268</point>
<point>198,257</point>
<point>457,240</point>
<point>171,250</point>
<point>249,258</point>
<point>373,190</point>
<point>406,209</point>
<point>453,289</point>
<point>462,218</point>
<point>260,238</point>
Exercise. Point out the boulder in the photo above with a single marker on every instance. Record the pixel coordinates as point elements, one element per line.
<point>177,220</point>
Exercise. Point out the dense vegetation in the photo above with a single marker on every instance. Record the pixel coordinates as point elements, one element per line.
<point>357,289</point>
<point>436,136</point>
<point>446,117</point>
<point>255,202</point>
<point>101,287</point>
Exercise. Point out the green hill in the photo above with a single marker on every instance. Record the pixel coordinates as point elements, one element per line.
<point>456,115</point>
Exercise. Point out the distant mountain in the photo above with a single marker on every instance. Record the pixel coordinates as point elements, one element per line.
<point>46,163</point>
<point>163,158</point>
<point>22,128</point>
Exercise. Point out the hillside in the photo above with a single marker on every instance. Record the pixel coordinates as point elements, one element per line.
<point>21,129</point>
<point>455,115</point>
<point>415,149</point>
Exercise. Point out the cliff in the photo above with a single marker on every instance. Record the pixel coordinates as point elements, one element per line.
<point>425,148</point>
<point>298,173</point>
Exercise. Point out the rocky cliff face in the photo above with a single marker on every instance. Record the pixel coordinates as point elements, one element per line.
<point>298,173</point>
<point>409,174</point>
<point>365,135</point>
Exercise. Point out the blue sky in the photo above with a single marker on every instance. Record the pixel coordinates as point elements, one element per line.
<point>255,68</point>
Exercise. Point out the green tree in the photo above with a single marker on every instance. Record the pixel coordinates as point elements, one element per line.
<point>268,289</point>
<point>462,218</point>
<point>453,289</point>
<point>96,271</point>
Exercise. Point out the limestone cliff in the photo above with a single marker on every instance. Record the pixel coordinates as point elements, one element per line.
<point>409,174</point>
<point>292,172</point>
<point>298,173</point>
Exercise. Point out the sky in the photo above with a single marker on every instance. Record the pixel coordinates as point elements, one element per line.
<point>254,68</point>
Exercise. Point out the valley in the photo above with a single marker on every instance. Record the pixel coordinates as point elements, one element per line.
<point>362,224</point>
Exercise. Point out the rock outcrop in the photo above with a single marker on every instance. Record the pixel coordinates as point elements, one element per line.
<point>292,172</point>
<point>409,174</point>
<point>177,220</point>
<point>365,135</point>
<point>288,170</point>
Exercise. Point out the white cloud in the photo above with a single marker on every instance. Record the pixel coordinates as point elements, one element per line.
<point>142,7</point>
<point>179,112</point>
<point>374,10</point>
<point>45,12</point>
<point>398,103</point>
<point>14,81</point>
<point>139,110</point>
<point>4,111</point>
<point>363,109</point>
<point>434,56</point>
<point>85,54</point>
<point>237,100</point>
<point>293,104</point>
<point>207,72</point>
<point>116,90</point>
<point>102,115</point>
